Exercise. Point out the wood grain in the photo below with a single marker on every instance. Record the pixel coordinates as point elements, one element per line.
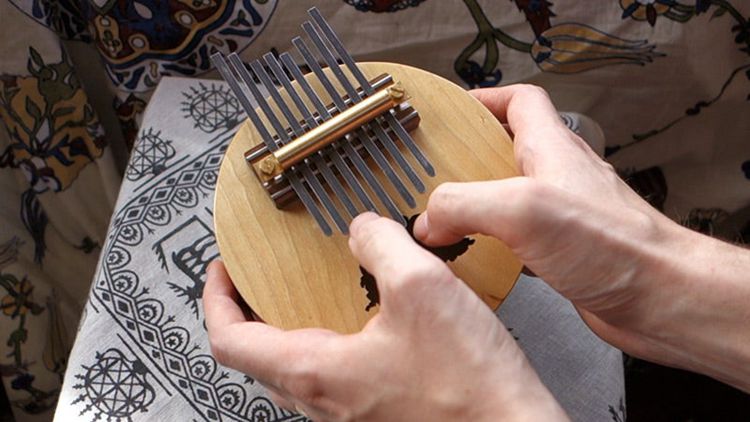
<point>293,276</point>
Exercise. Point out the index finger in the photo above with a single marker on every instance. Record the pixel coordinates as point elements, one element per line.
<point>521,106</point>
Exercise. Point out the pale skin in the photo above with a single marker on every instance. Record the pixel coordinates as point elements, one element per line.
<point>435,352</point>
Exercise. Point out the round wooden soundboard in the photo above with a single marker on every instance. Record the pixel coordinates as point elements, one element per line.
<point>293,276</point>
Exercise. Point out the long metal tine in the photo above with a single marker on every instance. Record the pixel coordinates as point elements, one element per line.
<point>331,153</point>
<point>308,175</point>
<point>223,68</point>
<point>393,123</point>
<point>340,105</point>
<point>354,95</point>
<point>328,175</point>
<point>368,143</point>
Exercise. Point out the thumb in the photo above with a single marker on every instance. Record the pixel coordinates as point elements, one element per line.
<point>514,210</point>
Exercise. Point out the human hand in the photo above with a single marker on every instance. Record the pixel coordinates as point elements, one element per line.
<point>433,352</point>
<point>641,282</point>
<point>570,218</point>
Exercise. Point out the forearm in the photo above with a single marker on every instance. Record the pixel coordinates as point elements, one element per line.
<point>697,312</point>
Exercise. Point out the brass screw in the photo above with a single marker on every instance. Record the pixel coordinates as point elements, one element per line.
<point>267,166</point>
<point>396,91</point>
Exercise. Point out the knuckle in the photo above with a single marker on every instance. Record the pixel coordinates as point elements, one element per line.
<point>609,169</point>
<point>527,193</point>
<point>304,381</point>
<point>416,277</point>
<point>529,89</point>
<point>443,199</point>
<point>218,347</point>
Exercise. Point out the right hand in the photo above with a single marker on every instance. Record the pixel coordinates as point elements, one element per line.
<point>570,219</point>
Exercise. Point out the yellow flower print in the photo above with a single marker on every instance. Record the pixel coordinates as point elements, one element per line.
<point>18,300</point>
<point>574,47</point>
<point>54,131</point>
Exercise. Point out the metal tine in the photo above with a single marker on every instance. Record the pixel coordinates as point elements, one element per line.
<point>354,95</point>
<point>340,105</point>
<point>322,166</point>
<point>297,130</point>
<point>312,182</point>
<point>223,68</point>
<point>362,80</point>
<point>331,153</point>
<point>368,142</point>
<point>348,149</point>
<point>334,154</point>
<point>308,175</point>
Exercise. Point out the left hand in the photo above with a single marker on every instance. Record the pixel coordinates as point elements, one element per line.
<point>433,352</point>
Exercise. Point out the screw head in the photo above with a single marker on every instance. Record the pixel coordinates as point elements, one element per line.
<point>267,166</point>
<point>396,91</point>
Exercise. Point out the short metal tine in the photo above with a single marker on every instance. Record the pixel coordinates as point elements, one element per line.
<point>308,175</point>
<point>297,130</point>
<point>393,123</point>
<point>299,189</point>
<point>333,154</point>
<point>374,151</point>
<point>339,103</point>
<point>354,95</point>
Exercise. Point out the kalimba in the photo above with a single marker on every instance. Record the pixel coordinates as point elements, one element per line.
<point>322,147</point>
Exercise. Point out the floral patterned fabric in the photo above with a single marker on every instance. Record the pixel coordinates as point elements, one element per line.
<point>667,80</point>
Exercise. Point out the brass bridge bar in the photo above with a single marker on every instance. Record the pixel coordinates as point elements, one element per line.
<point>331,130</point>
<point>312,120</point>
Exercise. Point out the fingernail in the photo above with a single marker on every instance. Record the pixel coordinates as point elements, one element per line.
<point>422,226</point>
<point>212,266</point>
<point>299,410</point>
<point>359,220</point>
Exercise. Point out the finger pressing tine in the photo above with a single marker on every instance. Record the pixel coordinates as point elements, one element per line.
<point>506,209</point>
<point>387,251</point>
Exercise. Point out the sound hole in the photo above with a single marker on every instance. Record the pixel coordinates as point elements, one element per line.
<point>446,253</point>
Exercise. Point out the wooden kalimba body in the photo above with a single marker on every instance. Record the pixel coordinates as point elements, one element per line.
<point>326,146</point>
